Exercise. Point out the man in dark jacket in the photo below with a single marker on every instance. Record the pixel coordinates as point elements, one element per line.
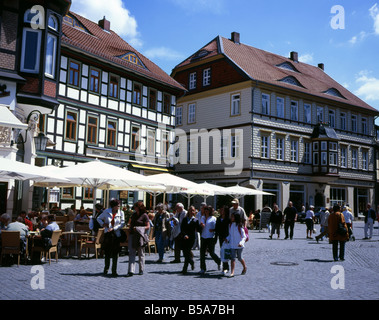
<point>370,216</point>
<point>188,230</point>
<point>290,216</point>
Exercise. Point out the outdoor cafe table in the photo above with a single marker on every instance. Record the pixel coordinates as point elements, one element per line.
<point>76,234</point>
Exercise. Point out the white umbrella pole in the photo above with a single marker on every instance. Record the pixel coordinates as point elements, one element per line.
<point>94,200</point>
<point>48,199</point>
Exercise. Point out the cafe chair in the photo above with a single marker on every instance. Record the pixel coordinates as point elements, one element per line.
<point>151,242</point>
<point>54,246</point>
<point>10,244</point>
<point>95,243</point>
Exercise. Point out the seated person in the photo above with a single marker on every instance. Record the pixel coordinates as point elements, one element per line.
<point>24,232</point>
<point>82,216</point>
<point>48,226</point>
<point>26,220</point>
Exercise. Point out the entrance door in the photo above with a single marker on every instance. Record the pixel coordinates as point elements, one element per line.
<point>362,197</point>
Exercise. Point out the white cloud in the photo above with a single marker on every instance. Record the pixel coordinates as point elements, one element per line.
<point>163,53</point>
<point>122,22</point>
<point>306,58</point>
<point>361,36</point>
<point>195,6</point>
<point>374,12</point>
<point>369,86</point>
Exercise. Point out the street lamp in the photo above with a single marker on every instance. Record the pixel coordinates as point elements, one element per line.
<point>41,142</point>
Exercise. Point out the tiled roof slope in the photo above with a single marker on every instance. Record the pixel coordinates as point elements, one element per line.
<point>110,46</point>
<point>262,66</point>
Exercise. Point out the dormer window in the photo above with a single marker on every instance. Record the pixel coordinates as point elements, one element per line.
<point>292,81</point>
<point>287,66</point>
<point>334,92</point>
<point>132,58</point>
<point>71,21</point>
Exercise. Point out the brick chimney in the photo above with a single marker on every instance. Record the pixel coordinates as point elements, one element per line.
<point>321,66</point>
<point>105,24</point>
<point>236,37</point>
<point>294,56</point>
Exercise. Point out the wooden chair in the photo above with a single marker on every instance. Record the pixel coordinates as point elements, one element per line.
<point>54,246</point>
<point>94,243</point>
<point>10,243</point>
<point>151,241</point>
<point>125,244</point>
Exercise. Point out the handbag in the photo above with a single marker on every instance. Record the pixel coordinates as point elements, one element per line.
<point>341,229</point>
<point>225,252</point>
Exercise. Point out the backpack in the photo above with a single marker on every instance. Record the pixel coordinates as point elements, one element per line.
<point>246,232</point>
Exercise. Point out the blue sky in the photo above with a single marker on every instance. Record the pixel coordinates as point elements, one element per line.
<point>168,31</point>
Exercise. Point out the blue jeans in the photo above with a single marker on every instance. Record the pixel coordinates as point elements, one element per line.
<point>160,243</point>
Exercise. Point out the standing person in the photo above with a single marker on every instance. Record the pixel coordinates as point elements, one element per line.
<point>235,208</point>
<point>370,216</point>
<point>309,221</point>
<point>276,220</point>
<point>180,214</point>
<point>188,230</point>
<point>112,220</point>
<point>199,214</point>
<point>290,216</point>
<point>324,216</point>
<point>161,229</point>
<point>236,238</point>
<point>207,242</point>
<point>335,238</point>
<point>222,231</point>
<point>94,224</point>
<point>349,221</point>
<point>139,225</point>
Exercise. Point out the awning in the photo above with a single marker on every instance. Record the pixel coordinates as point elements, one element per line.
<point>8,119</point>
<point>138,166</point>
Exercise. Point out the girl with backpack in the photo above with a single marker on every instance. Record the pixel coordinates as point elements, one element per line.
<point>237,239</point>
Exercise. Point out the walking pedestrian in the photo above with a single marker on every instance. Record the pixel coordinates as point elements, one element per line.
<point>112,220</point>
<point>370,216</point>
<point>207,242</point>
<point>236,238</point>
<point>276,220</point>
<point>188,230</point>
<point>139,224</point>
<point>161,229</point>
<point>180,214</point>
<point>348,215</point>
<point>309,221</point>
<point>324,216</point>
<point>335,237</point>
<point>222,231</point>
<point>236,208</point>
<point>290,217</point>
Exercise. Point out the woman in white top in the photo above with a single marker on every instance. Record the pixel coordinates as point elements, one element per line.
<point>309,220</point>
<point>236,238</point>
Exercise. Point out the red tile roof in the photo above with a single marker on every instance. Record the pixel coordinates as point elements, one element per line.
<point>110,46</point>
<point>262,66</point>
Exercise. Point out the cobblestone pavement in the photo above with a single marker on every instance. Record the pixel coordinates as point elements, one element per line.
<point>277,270</point>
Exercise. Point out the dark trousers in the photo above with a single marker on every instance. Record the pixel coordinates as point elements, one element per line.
<point>178,247</point>
<point>210,245</point>
<point>111,247</point>
<point>188,255</point>
<point>107,258</point>
<point>289,225</point>
<point>335,249</point>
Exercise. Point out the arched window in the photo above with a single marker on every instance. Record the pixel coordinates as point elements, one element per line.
<point>53,23</point>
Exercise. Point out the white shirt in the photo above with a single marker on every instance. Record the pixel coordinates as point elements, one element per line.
<point>210,224</point>
<point>106,218</point>
<point>236,236</point>
<point>309,214</point>
<point>52,226</point>
<point>348,216</point>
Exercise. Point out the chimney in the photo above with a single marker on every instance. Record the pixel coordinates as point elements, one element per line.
<point>294,56</point>
<point>236,37</point>
<point>105,24</point>
<point>321,66</point>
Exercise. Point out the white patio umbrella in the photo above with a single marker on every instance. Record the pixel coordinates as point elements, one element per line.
<point>100,175</point>
<point>239,192</point>
<point>217,190</point>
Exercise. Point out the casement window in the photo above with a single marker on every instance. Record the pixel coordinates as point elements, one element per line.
<point>51,46</point>
<point>113,87</point>
<point>31,48</point>
<point>152,99</point>
<point>294,150</point>
<point>265,104</point>
<point>151,142</point>
<point>94,81</point>
<point>190,152</point>
<point>364,160</point>
<point>234,146</point>
<point>265,147</point>
<point>364,126</point>
<point>307,153</point>
<point>71,125</point>
<point>135,143</point>
<point>294,111</point>
<point>320,114</point>
<point>280,149</point>
<point>223,148</point>
<point>280,107</point>
<point>354,123</point>
<point>88,193</point>
<point>354,158</point>
<point>92,128</point>
<point>68,193</point>
<point>192,113</point>
<point>165,143</point>
<point>167,103</point>
<point>206,77</point>
<point>111,133</point>
<point>192,81</point>
<point>332,118</point>
<point>137,94</point>
<point>179,116</point>
<point>343,157</point>
<point>236,105</point>
<point>307,113</point>
<point>74,74</point>
<point>343,121</point>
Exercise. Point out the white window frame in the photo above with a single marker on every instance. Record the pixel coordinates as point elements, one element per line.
<point>207,77</point>
<point>364,126</point>
<point>294,111</point>
<point>280,107</point>
<point>307,113</point>
<point>235,108</point>
<point>307,152</point>
<point>354,158</point>
<point>279,149</point>
<point>51,72</point>
<point>151,138</point>
<point>265,147</point>
<point>294,150</point>
<point>354,123</point>
<point>192,81</point>
<point>343,157</point>
<point>365,160</point>
<point>179,116</point>
<point>38,50</point>
<point>343,121</point>
<point>234,146</point>
<point>332,118</point>
<point>192,113</point>
<point>265,104</point>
